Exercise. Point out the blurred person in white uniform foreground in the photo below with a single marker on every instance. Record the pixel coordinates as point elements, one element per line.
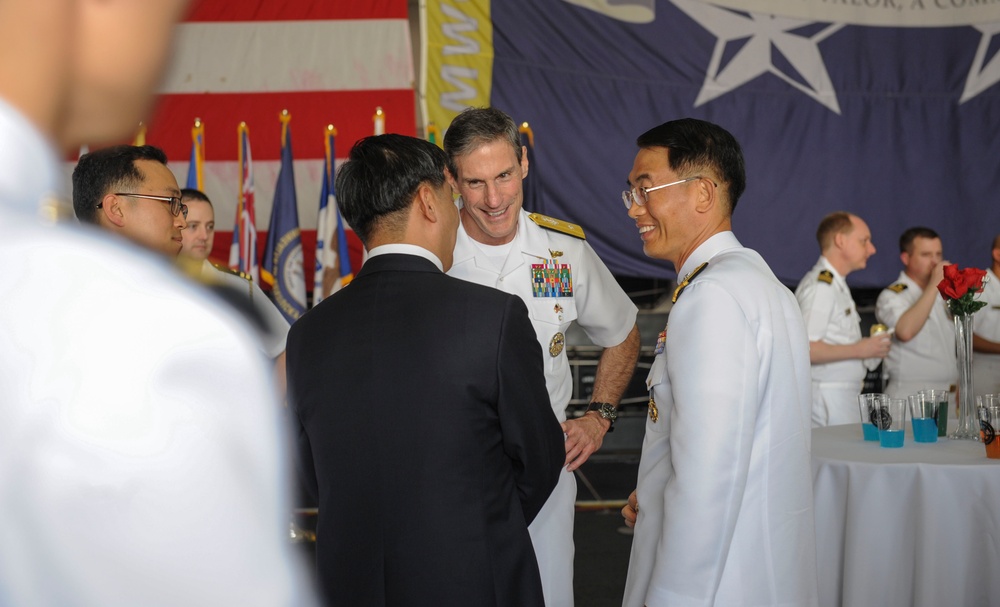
<point>141,457</point>
<point>724,493</point>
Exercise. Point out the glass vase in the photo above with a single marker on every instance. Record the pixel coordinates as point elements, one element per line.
<point>968,421</point>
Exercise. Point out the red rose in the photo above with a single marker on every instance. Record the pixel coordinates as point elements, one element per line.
<point>974,278</point>
<point>949,287</point>
<point>957,282</point>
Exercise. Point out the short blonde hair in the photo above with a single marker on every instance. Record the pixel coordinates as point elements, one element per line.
<point>838,222</point>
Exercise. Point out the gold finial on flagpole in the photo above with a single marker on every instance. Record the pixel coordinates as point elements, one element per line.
<point>525,129</point>
<point>140,136</point>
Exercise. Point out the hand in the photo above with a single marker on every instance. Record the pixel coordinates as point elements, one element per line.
<point>876,346</point>
<point>937,275</point>
<point>631,511</point>
<point>584,435</point>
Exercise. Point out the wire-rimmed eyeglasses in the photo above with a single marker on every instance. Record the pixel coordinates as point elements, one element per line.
<point>640,195</point>
<point>176,206</point>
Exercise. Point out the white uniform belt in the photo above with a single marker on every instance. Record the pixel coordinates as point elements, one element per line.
<point>838,384</point>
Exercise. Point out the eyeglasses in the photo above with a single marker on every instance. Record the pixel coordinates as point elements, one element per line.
<point>176,206</point>
<point>640,195</point>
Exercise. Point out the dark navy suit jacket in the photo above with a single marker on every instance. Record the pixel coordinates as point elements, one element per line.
<point>424,417</point>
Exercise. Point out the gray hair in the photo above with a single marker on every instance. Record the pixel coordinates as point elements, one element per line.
<point>476,126</point>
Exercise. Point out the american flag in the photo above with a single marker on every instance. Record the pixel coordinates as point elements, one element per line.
<point>325,62</point>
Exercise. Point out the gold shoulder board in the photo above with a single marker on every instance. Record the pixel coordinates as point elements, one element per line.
<point>826,276</point>
<point>229,270</point>
<point>558,225</point>
<point>687,280</point>
<point>899,287</point>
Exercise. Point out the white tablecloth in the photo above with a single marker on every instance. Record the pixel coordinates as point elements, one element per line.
<point>917,526</point>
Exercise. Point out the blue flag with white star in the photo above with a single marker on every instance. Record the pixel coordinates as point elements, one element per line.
<point>889,112</point>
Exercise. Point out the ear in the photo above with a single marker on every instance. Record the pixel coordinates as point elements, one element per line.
<point>524,162</point>
<point>707,196</point>
<point>426,200</point>
<point>905,258</point>
<point>996,256</point>
<point>111,207</point>
<point>838,240</point>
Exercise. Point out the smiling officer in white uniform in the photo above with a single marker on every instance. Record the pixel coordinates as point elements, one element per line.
<point>551,267</point>
<point>724,492</point>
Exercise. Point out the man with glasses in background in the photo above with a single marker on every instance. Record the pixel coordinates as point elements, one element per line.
<point>128,190</point>
<point>548,264</point>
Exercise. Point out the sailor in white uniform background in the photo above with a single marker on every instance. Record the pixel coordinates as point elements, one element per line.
<point>986,331</point>
<point>923,350</point>
<point>837,350</point>
<point>196,245</point>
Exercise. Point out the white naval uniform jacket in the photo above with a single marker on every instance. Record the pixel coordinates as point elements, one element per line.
<point>598,305</point>
<point>832,317</point>
<point>929,359</point>
<point>273,341</point>
<point>986,324</point>
<point>725,487</point>
<point>605,313</point>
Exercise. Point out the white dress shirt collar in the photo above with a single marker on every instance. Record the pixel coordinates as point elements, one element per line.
<point>406,249</point>
<point>707,250</point>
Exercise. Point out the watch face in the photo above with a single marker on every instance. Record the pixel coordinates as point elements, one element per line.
<point>608,411</point>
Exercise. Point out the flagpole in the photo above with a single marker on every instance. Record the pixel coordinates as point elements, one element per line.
<point>325,274</point>
<point>140,136</point>
<point>198,137</point>
<point>235,250</point>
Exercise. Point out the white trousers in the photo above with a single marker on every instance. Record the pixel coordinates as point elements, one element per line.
<point>835,403</point>
<point>552,536</point>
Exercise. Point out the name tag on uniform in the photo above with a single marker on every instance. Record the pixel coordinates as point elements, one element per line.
<point>551,279</point>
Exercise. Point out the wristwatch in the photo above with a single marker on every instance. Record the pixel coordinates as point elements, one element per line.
<point>606,411</point>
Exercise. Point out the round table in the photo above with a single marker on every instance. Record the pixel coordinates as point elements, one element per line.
<point>917,526</point>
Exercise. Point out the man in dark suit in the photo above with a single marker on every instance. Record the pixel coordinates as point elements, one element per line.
<point>424,417</point>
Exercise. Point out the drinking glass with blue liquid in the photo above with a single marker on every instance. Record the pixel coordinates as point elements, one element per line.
<point>923,418</point>
<point>892,422</point>
<point>869,405</point>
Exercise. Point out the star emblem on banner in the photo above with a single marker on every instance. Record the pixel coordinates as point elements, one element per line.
<point>762,32</point>
<point>982,74</point>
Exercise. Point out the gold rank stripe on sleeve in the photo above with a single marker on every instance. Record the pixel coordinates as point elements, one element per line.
<point>558,225</point>
<point>825,276</point>
<point>899,287</point>
<point>687,280</point>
